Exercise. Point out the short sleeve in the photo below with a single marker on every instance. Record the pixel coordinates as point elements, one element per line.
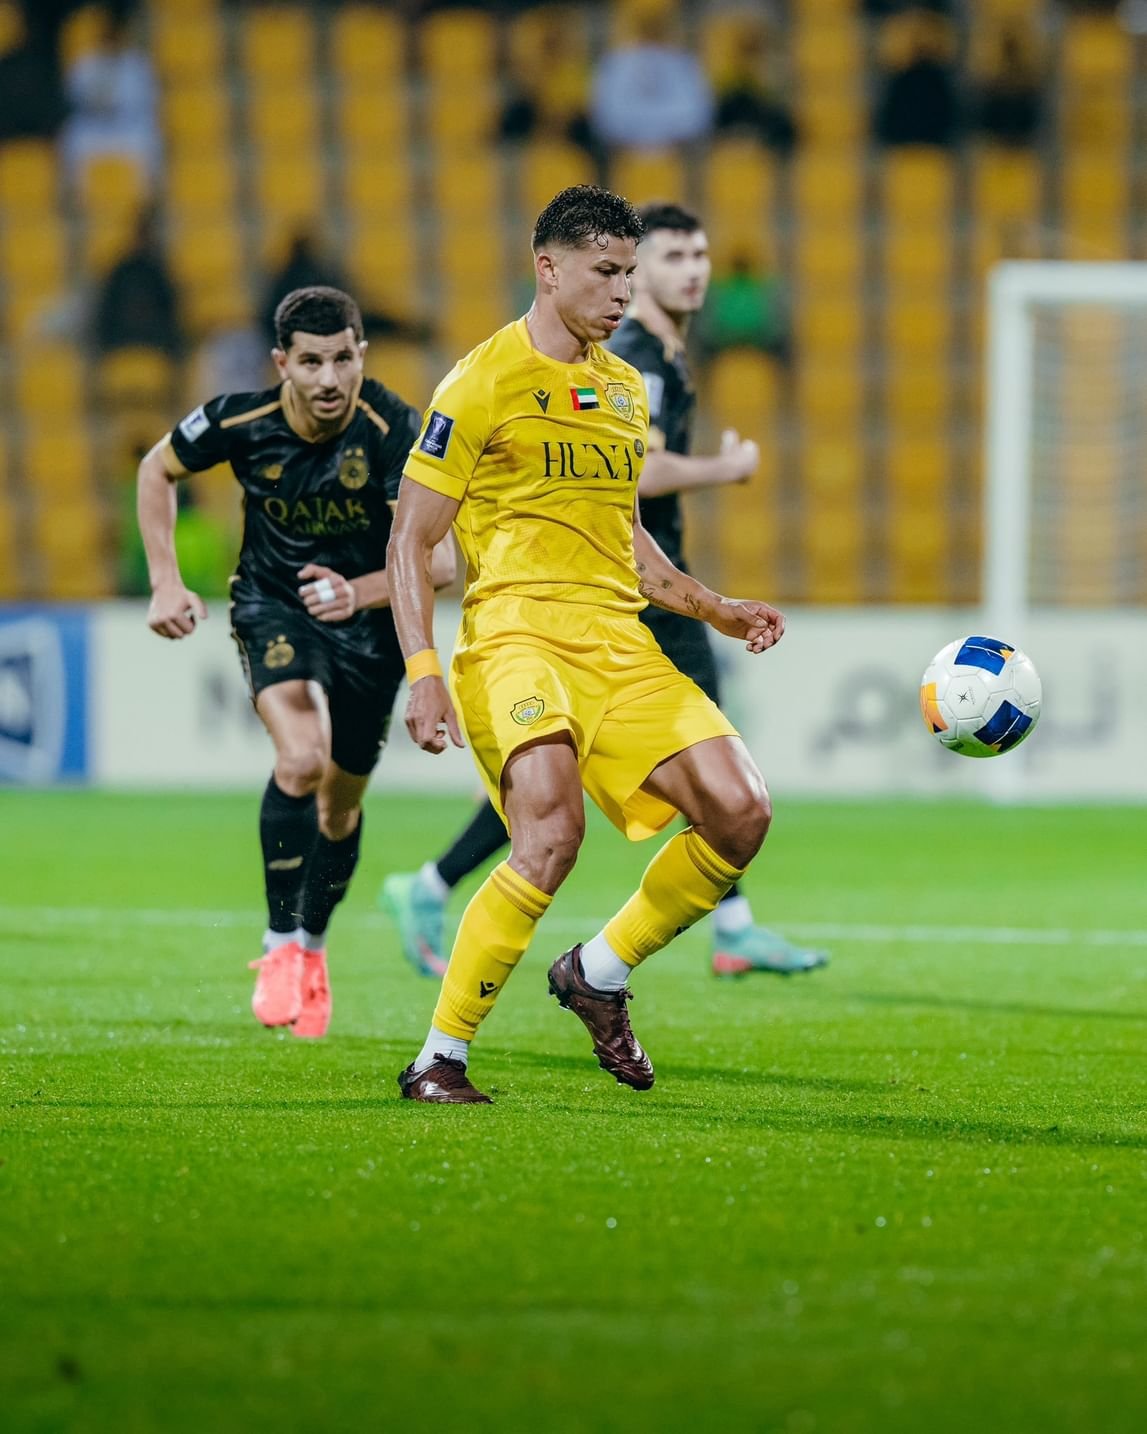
<point>199,441</point>
<point>454,433</point>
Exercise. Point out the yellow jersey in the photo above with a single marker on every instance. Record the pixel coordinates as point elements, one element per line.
<point>544,458</point>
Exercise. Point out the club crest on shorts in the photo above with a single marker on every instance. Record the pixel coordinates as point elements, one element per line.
<point>353,471</point>
<point>527,712</point>
<point>620,400</point>
<point>279,653</point>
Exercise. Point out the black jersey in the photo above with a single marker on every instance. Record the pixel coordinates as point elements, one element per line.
<point>671,401</point>
<point>326,502</point>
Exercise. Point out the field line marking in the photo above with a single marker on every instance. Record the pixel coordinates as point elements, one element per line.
<point>585,925</point>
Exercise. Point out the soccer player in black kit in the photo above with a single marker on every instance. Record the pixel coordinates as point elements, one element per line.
<point>668,289</point>
<point>319,458</point>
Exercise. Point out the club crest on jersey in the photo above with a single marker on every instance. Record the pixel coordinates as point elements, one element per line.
<point>353,471</point>
<point>273,472</point>
<point>279,653</point>
<point>527,712</point>
<point>620,400</point>
<point>583,398</point>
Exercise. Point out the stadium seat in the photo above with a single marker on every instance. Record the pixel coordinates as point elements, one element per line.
<point>916,258</point>
<point>466,187</point>
<point>827,257</point>
<point>830,395</point>
<point>1005,184</point>
<point>917,548</point>
<point>367,45</point>
<point>187,45</point>
<point>833,471</point>
<point>833,116</point>
<point>917,326</point>
<point>34,253</point>
<point>459,44</point>
<point>642,175</point>
<point>917,184</point>
<point>373,122</point>
<point>379,182</point>
<point>80,34</point>
<point>134,376</point>
<point>547,166</point>
<point>72,546</point>
<point>50,382</point>
<point>468,317</point>
<point>1096,107</point>
<point>289,189</point>
<point>743,392</point>
<point>828,51</point>
<point>747,532</point>
<point>277,47</point>
<point>113,184</point>
<point>273,125</point>
<point>464,113</point>
<point>28,175</point>
<point>384,265</point>
<point>828,185</point>
<point>461,261</point>
<point>57,456</point>
<point>917,395</point>
<point>11,550</point>
<point>915,465</point>
<point>197,117</point>
<point>831,326</point>
<point>833,540</point>
<point>201,185</point>
<point>402,367</point>
<point>740,189</point>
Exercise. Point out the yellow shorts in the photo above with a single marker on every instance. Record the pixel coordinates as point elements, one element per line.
<point>524,669</point>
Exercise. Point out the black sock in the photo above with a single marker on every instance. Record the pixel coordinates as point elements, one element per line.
<point>288,827</point>
<point>482,838</point>
<point>328,876</point>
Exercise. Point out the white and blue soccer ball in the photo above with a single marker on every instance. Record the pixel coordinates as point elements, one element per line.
<point>980,697</point>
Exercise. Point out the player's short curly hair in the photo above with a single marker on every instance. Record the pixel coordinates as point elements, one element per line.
<point>316,309</point>
<point>660,215</point>
<point>585,214</point>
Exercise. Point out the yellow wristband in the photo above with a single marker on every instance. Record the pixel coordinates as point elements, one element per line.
<point>423,664</point>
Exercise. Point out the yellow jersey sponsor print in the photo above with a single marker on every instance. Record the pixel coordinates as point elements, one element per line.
<point>544,458</point>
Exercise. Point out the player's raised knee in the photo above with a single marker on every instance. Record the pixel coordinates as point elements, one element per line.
<point>299,769</point>
<point>746,813</point>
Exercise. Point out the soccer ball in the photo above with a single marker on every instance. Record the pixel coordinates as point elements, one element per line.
<point>980,697</point>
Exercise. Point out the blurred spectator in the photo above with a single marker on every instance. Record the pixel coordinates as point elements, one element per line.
<point>138,305</point>
<point>112,92</point>
<point>919,104</point>
<point>234,358</point>
<point>748,92</point>
<point>652,93</point>
<point>304,266</point>
<point>1009,105</point>
<point>31,106</point>
<point>547,96</point>
<point>206,550</point>
<point>745,308</point>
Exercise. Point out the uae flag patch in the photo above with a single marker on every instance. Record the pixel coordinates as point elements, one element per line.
<point>584,398</point>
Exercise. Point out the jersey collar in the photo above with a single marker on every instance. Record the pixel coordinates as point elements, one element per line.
<point>295,421</point>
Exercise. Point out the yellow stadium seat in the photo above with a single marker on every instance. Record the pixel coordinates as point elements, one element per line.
<point>833,465</point>
<point>1006,183</point>
<point>187,45</point>
<point>384,266</point>
<point>377,182</point>
<point>275,123</point>
<point>743,392</point>
<point>1096,47</point>
<point>50,382</point>
<point>80,34</point>
<point>917,327</point>
<point>289,188</point>
<point>828,184</point>
<point>918,257</point>
<point>829,326</point>
<point>462,260</point>
<point>201,184</point>
<point>278,47</point>
<point>106,238</point>
<point>546,167</point>
<point>467,317</point>
<point>367,44</point>
<point>458,43</point>
<point>72,545</point>
<point>1095,184</point>
<point>918,547</point>
<point>642,175</point>
<point>918,396</point>
<point>197,117</point>
<point>226,305</point>
<point>373,119</point>
<point>402,367</point>
<point>917,185</point>
<point>466,185</point>
<point>58,460</point>
<point>915,465</point>
<point>740,189</point>
<point>463,113</point>
<point>135,375</point>
<point>833,541</point>
<point>205,252</point>
<point>28,175</point>
<point>34,254</point>
<point>827,52</point>
<point>830,395</point>
<point>113,184</point>
<point>833,116</point>
<point>536,34</point>
<point>11,551</point>
<point>827,257</point>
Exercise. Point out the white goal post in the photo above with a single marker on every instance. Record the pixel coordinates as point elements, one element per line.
<point>1015,292</point>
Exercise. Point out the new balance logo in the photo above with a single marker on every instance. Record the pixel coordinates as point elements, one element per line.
<point>542,398</point>
<point>486,988</point>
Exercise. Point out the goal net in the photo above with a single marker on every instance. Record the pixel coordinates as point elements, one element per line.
<point>1066,502</point>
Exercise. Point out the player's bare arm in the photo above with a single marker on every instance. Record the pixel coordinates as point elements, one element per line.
<point>665,585</point>
<point>330,597</point>
<point>174,609</point>
<point>666,472</point>
<point>422,521</point>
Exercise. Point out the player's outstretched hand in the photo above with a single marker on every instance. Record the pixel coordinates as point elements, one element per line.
<point>174,610</point>
<point>430,715</point>
<point>758,623</point>
<point>327,595</point>
<point>743,455</point>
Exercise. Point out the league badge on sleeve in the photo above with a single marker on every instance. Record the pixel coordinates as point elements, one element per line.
<point>620,400</point>
<point>195,424</point>
<point>436,440</point>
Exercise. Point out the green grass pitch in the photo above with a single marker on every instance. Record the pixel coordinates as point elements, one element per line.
<point>905,1193</point>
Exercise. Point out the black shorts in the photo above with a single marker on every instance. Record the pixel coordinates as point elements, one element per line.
<point>685,642</point>
<point>280,644</point>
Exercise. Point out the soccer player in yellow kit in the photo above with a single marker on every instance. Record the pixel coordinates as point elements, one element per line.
<point>532,448</point>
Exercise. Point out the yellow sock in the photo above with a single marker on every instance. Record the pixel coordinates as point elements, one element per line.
<point>495,930</point>
<point>683,882</point>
